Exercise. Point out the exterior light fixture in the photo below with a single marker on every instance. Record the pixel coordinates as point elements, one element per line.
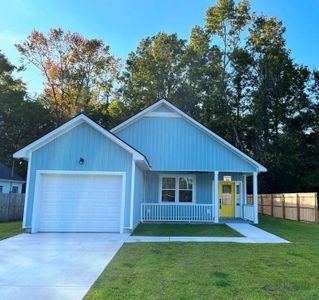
<point>81,161</point>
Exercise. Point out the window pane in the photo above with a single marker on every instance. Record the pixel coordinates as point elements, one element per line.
<point>185,183</point>
<point>185,196</point>
<point>237,189</point>
<point>168,195</point>
<point>226,189</point>
<point>168,183</point>
<point>14,189</point>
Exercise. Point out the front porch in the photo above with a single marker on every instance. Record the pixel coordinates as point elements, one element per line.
<point>198,197</point>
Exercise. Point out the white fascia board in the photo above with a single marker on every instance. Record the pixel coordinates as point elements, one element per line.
<point>126,123</point>
<point>24,152</point>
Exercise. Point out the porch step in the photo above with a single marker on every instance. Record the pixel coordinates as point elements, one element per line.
<point>233,220</point>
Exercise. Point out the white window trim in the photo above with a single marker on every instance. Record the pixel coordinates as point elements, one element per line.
<point>177,176</point>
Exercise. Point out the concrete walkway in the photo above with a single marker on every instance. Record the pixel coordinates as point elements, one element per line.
<point>251,234</point>
<point>256,235</point>
<point>53,266</point>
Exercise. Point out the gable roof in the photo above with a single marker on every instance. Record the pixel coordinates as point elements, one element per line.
<point>175,111</point>
<point>25,152</point>
<point>6,173</point>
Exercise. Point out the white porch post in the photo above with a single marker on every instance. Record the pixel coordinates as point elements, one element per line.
<point>216,197</point>
<point>255,197</point>
<point>244,196</point>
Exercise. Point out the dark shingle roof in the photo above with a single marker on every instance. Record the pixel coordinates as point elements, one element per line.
<point>5,173</point>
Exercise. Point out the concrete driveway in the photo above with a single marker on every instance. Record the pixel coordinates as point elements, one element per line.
<point>54,265</point>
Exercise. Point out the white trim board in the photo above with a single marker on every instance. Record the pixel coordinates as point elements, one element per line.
<point>136,117</point>
<point>24,152</point>
<point>161,114</point>
<point>26,197</point>
<point>34,225</point>
<point>132,195</point>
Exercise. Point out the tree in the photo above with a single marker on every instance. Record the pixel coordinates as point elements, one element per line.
<point>21,120</point>
<point>78,72</point>
<point>226,22</point>
<point>154,71</point>
<point>203,69</point>
<point>279,106</point>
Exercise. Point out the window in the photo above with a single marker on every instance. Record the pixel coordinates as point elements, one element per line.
<point>237,189</point>
<point>168,189</point>
<point>1,189</point>
<point>177,189</point>
<point>185,189</point>
<point>14,189</point>
<point>226,194</point>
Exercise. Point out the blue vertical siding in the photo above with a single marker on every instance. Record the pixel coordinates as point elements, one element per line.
<point>174,144</point>
<point>163,108</point>
<point>63,153</point>
<point>204,185</point>
<point>138,195</point>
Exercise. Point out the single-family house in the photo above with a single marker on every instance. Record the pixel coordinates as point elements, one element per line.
<point>160,165</point>
<point>10,182</point>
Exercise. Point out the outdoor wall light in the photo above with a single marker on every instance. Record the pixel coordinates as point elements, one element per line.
<point>81,161</point>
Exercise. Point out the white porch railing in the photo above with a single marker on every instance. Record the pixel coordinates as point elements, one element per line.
<point>249,212</point>
<point>160,212</point>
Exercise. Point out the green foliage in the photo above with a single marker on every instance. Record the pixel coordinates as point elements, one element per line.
<point>154,71</point>
<point>78,72</point>
<point>21,119</point>
<point>235,75</point>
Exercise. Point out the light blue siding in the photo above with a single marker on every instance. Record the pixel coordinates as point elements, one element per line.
<point>99,154</point>
<point>204,185</point>
<point>174,144</point>
<point>163,108</point>
<point>138,195</point>
<point>7,186</point>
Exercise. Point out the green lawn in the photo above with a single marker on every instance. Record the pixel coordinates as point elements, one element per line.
<point>8,229</point>
<point>217,270</point>
<point>184,230</point>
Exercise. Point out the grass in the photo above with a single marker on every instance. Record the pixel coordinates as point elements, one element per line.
<point>217,270</point>
<point>185,230</point>
<point>9,229</point>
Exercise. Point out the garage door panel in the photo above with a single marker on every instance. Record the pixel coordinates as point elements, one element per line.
<point>79,203</point>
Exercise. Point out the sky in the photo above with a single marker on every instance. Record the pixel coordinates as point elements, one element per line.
<point>123,23</point>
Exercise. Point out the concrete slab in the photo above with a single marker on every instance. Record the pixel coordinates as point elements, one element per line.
<point>54,266</point>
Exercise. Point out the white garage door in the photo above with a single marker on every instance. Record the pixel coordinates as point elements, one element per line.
<point>78,203</point>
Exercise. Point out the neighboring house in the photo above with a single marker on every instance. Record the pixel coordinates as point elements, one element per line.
<point>10,183</point>
<point>160,165</point>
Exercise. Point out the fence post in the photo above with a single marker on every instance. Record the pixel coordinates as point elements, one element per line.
<point>283,206</point>
<point>272,204</point>
<point>316,208</point>
<point>262,204</point>
<point>298,207</point>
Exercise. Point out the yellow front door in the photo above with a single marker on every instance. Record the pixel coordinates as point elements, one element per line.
<point>227,199</point>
